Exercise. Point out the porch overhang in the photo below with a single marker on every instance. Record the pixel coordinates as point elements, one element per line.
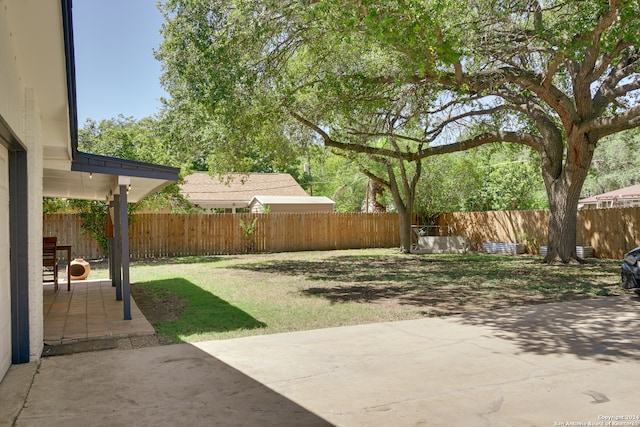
<point>94,177</point>
<point>69,173</point>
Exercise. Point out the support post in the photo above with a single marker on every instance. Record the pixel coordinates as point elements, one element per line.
<point>124,252</point>
<point>117,254</point>
<point>110,235</point>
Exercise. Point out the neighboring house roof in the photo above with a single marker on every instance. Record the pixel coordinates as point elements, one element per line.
<point>631,192</point>
<point>292,200</point>
<point>210,191</point>
<point>627,193</point>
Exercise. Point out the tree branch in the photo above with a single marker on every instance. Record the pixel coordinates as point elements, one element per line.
<point>604,126</point>
<point>607,59</point>
<point>374,177</point>
<point>551,95</point>
<point>609,91</point>
<point>528,139</point>
<point>358,148</point>
<point>593,52</point>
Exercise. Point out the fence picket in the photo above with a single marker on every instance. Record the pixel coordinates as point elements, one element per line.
<point>160,235</point>
<point>611,232</point>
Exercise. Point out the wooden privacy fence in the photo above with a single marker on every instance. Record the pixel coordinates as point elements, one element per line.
<point>160,235</point>
<point>611,232</point>
<point>66,227</point>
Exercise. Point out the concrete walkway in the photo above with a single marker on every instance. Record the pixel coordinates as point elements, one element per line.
<point>547,365</point>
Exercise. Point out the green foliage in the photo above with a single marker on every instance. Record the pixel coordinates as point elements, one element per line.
<point>494,177</point>
<point>249,227</point>
<point>93,216</point>
<point>449,181</point>
<point>510,180</point>
<point>249,231</point>
<point>615,164</point>
<point>337,178</point>
<point>125,138</point>
<point>55,205</point>
<point>146,140</point>
<point>392,83</point>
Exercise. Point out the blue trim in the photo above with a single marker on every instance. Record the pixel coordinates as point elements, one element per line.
<point>18,244</point>
<point>70,64</point>
<point>85,162</point>
<point>19,260</point>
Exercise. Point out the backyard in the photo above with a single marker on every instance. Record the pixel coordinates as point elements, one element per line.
<point>219,297</point>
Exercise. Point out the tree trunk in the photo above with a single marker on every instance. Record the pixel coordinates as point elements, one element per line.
<point>563,192</point>
<point>561,237</point>
<point>404,222</point>
<point>404,205</point>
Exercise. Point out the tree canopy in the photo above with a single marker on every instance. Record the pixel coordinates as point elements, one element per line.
<point>400,81</point>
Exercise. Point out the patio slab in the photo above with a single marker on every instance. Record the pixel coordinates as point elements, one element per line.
<point>569,363</point>
<point>89,311</point>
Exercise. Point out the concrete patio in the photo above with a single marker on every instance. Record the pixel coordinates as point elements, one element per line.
<point>89,311</point>
<point>569,363</point>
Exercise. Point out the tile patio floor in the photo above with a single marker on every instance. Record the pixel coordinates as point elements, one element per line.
<point>89,311</point>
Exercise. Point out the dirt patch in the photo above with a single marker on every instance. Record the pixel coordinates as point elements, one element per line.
<point>158,305</point>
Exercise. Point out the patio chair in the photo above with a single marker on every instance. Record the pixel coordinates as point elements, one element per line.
<point>50,261</point>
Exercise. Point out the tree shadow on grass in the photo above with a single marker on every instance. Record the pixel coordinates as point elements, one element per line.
<point>398,269</point>
<point>444,284</point>
<point>193,259</point>
<point>604,329</point>
<point>177,308</point>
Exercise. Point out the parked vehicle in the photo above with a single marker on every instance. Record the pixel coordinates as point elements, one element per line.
<point>630,270</point>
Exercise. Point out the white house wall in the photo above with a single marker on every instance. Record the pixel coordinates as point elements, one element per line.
<point>5,274</point>
<point>11,111</point>
<point>11,86</point>
<point>20,109</point>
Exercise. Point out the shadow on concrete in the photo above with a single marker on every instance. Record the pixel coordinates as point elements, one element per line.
<point>605,329</point>
<point>176,307</point>
<point>167,385</point>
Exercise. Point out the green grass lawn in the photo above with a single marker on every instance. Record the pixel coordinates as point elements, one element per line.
<point>219,297</point>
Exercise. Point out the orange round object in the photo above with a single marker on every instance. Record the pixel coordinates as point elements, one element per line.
<point>79,269</point>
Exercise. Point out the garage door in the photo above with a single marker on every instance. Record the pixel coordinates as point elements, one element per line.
<point>5,274</point>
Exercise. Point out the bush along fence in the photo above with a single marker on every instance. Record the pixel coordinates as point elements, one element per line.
<point>170,235</point>
<point>611,232</point>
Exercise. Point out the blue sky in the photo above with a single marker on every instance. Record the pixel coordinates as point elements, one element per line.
<point>116,72</point>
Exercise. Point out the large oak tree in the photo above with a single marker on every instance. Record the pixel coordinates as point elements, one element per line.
<point>399,81</point>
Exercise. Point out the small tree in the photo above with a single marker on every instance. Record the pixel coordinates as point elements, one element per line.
<point>249,231</point>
